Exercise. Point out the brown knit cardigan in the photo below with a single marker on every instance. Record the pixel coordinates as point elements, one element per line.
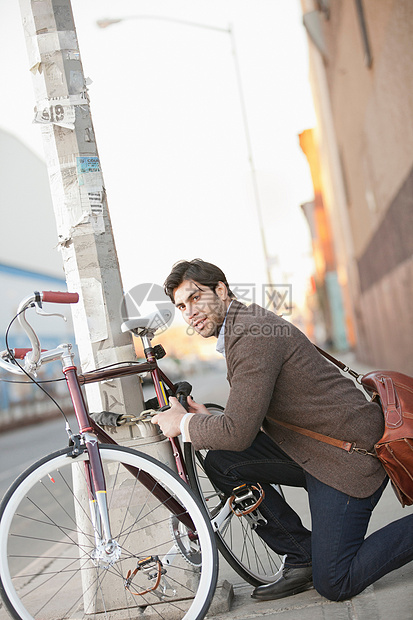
<point>276,373</point>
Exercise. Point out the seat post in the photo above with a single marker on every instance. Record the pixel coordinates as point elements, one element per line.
<point>147,346</point>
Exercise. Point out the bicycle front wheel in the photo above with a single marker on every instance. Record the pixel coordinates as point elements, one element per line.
<point>237,540</point>
<point>53,565</point>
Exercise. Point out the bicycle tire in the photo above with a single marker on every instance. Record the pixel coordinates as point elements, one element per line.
<point>48,564</point>
<point>250,557</point>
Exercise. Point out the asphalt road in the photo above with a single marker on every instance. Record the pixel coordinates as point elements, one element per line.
<point>21,447</point>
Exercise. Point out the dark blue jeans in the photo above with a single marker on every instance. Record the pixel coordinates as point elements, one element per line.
<point>344,561</point>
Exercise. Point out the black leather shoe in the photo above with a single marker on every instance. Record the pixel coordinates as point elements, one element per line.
<point>292,581</point>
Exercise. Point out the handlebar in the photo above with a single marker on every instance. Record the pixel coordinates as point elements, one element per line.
<point>32,356</point>
<point>182,398</point>
<point>59,297</point>
<point>20,354</point>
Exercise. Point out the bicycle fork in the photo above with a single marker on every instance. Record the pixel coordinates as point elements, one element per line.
<point>107,551</point>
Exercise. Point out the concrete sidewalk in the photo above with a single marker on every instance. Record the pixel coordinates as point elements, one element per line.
<point>390,597</point>
<point>383,601</point>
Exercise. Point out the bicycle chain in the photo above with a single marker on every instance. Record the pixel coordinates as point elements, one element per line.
<point>144,416</point>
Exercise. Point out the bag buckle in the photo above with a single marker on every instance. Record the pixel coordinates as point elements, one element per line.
<point>354,448</point>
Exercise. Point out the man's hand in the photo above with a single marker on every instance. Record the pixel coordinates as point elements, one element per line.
<point>170,420</point>
<point>194,407</point>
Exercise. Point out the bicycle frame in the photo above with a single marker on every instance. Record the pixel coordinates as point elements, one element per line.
<point>158,379</point>
<point>89,430</point>
<point>87,426</point>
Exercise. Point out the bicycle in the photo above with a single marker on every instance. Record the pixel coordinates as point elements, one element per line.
<point>150,488</point>
<point>72,524</point>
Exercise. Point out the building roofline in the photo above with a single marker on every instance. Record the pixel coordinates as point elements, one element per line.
<point>18,271</point>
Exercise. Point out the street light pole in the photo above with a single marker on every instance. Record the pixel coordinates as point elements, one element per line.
<point>104,23</point>
<point>255,187</point>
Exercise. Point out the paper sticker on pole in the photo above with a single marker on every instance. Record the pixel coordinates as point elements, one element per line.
<point>95,327</point>
<point>89,173</point>
<point>59,111</point>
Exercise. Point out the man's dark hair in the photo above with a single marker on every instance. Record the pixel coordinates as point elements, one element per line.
<point>197,270</point>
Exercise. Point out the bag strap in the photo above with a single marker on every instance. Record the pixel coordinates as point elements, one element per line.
<point>348,446</point>
<point>344,445</point>
<point>342,366</point>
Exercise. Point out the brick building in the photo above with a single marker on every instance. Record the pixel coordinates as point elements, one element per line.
<point>361,60</point>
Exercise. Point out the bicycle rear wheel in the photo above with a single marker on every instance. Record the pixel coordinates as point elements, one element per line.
<point>237,540</point>
<point>52,567</point>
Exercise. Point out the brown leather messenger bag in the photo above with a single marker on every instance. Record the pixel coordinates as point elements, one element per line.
<point>394,392</point>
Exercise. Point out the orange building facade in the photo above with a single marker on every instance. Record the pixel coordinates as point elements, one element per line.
<point>361,59</point>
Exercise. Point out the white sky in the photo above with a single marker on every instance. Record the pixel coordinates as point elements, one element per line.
<point>170,134</point>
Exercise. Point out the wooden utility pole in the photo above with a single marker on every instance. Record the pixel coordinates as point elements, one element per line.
<point>78,192</point>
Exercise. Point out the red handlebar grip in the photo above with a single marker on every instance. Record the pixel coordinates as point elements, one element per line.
<point>20,354</point>
<point>57,297</point>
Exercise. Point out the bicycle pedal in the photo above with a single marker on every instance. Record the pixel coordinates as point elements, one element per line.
<point>148,563</point>
<point>255,519</point>
<point>153,568</point>
<point>244,503</point>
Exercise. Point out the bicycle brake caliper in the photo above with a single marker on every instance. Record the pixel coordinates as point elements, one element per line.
<point>244,503</point>
<point>75,442</point>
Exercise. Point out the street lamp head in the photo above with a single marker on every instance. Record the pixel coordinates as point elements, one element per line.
<point>104,23</point>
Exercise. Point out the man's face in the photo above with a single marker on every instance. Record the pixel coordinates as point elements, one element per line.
<point>201,307</point>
